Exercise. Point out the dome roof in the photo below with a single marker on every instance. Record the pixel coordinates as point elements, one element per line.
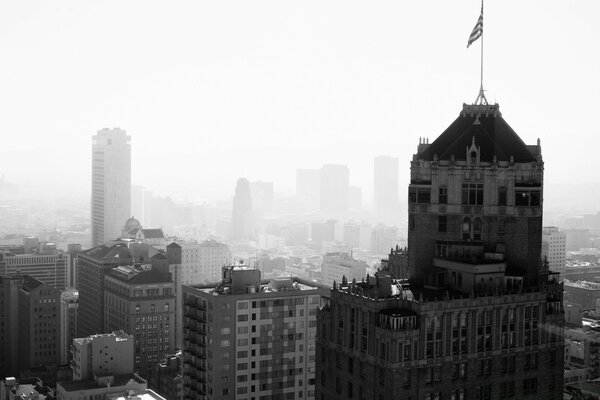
<point>131,223</point>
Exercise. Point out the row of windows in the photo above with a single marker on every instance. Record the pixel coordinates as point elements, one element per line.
<point>472,194</point>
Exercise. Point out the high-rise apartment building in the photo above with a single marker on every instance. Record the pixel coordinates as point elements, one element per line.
<point>247,339</point>
<point>140,299</point>
<point>50,266</point>
<point>554,249</point>
<point>111,184</point>
<point>93,265</point>
<point>480,316</point>
<point>242,219</point>
<point>385,187</point>
<point>335,186</point>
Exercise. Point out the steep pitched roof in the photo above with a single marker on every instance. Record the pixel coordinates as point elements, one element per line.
<point>490,131</point>
<point>153,233</point>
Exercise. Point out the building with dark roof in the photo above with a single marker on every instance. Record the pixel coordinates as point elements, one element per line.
<point>140,299</point>
<point>93,265</point>
<point>100,387</point>
<point>479,316</point>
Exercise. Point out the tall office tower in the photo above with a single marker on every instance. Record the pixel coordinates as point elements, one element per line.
<point>554,249</point>
<point>69,305</point>
<point>308,188</point>
<point>111,184</point>
<point>242,223</point>
<point>383,238</point>
<point>335,186</point>
<point>247,339</point>
<point>102,354</point>
<point>335,266</point>
<point>49,265</point>
<point>94,264</point>
<point>481,316</point>
<point>140,299</point>
<point>385,187</point>
<point>10,353</point>
<point>39,324</point>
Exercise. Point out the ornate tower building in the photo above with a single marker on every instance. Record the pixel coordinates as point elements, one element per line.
<point>480,315</point>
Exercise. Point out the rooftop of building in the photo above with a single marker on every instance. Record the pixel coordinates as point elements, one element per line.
<point>147,394</point>
<point>123,250</point>
<point>483,125</point>
<point>153,233</point>
<point>141,274</point>
<point>117,335</point>
<point>30,284</point>
<point>587,285</point>
<point>116,381</point>
<point>28,388</point>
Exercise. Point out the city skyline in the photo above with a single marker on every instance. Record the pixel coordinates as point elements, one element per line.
<point>317,80</point>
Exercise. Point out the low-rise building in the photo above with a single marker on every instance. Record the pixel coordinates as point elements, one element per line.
<point>102,354</point>
<point>100,387</point>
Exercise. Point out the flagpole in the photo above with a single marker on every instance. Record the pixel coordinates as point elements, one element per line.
<point>481,81</point>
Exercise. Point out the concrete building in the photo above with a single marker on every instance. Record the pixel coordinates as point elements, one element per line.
<point>69,305</point>
<point>396,265</point>
<point>194,263</point>
<point>334,189</point>
<point>103,387</point>
<point>385,188</point>
<point>582,351</point>
<point>337,265</point>
<point>73,249</point>
<point>247,339</point>
<point>140,299</point>
<point>25,389</point>
<point>480,316</point>
<point>9,325</point>
<point>102,354</point>
<point>94,264</point>
<point>46,264</point>
<point>554,249</point>
<point>111,184</point>
<point>584,293</point>
<point>39,324</point>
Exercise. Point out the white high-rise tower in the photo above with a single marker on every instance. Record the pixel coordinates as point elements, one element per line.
<point>111,184</point>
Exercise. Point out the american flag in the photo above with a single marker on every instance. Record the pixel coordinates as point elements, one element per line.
<point>478,30</point>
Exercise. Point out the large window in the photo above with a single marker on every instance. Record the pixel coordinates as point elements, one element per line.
<point>528,197</point>
<point>472,228</point>
<point>419,195</point>
<point>472,194</point>
<point>442,223</point>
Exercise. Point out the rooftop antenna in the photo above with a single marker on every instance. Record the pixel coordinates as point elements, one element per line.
<point>477,33</point>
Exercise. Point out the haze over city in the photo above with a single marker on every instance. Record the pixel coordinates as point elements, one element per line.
<point>299,200</point>
<point>212,91</point>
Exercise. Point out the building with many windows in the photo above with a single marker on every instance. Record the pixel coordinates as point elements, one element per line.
<point>480,315</point>
<point>245,338</point>
<point>554,249</point>
<point>49,265</point>
<point>140,299</point>
<point>111,184</point>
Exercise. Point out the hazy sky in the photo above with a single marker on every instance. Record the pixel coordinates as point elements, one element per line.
<point>214,90</point>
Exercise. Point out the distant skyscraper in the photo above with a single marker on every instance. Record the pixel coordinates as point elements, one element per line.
<point>308,188</point>
<point>111,184</point>
<point>554,248</point>
<point>385,187</point>
<point>335,185</point>
<point>242,226</point>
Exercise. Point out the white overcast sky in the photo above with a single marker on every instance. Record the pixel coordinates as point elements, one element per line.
<point>215,90</point>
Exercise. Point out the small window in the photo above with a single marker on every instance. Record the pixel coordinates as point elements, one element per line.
<point>443,197</point>
<point>419,195</point>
